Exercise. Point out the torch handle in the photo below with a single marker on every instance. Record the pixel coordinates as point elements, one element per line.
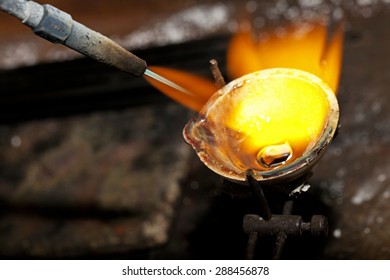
<point>58,27</point>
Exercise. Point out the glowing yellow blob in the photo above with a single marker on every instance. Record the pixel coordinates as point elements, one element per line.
<point>281,108</point>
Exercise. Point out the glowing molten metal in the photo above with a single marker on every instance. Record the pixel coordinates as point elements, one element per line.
<point>264,121</point>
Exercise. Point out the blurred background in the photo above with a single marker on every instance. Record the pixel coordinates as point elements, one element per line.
<point>93,163</point>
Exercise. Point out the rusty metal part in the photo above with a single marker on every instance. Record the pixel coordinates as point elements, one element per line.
<point>319,226</point>
<point>251,246</point>
<point>58,27</point>
<point>292,225</point>
<point>218,78</point>
<point>280,241</point>
<point>265,211</point>
<point>281,237</point>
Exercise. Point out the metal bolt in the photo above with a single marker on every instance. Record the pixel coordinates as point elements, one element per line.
<point>319,226</point>
<point>292,225</point>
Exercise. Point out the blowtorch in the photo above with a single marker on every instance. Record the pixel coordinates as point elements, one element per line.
<point>58,27</point>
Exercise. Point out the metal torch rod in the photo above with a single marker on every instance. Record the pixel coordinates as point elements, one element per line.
<point>58,27</point>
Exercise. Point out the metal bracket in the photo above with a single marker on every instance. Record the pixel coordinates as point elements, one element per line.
<point>279,226</point>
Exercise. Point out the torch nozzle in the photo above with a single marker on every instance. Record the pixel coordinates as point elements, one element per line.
<point>59,27</point>
<point>167,82</point>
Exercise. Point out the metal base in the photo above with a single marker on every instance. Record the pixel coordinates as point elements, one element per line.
<point>279,226</point>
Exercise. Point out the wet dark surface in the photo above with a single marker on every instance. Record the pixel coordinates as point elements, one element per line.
<point>354,174</point>
<point>84,176</point>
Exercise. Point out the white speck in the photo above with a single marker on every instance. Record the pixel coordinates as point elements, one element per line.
<point>305,188</point>
<point>379,220</point>
<point>359,198</point>
<point>310,3</point>
<point>337,233</point>
<point>365,193</point>
<point>365,2</point>
<point>376,107</point>
<point>381,177</point>
<point>338,14</point>
<point>16,141</point>
<point>156,228</point>
<point>336,189</point>
<point>366,230</point>
<point>301,189</point>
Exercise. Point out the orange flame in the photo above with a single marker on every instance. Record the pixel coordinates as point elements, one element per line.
<point>305,46</point>
<point>197,89</point>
